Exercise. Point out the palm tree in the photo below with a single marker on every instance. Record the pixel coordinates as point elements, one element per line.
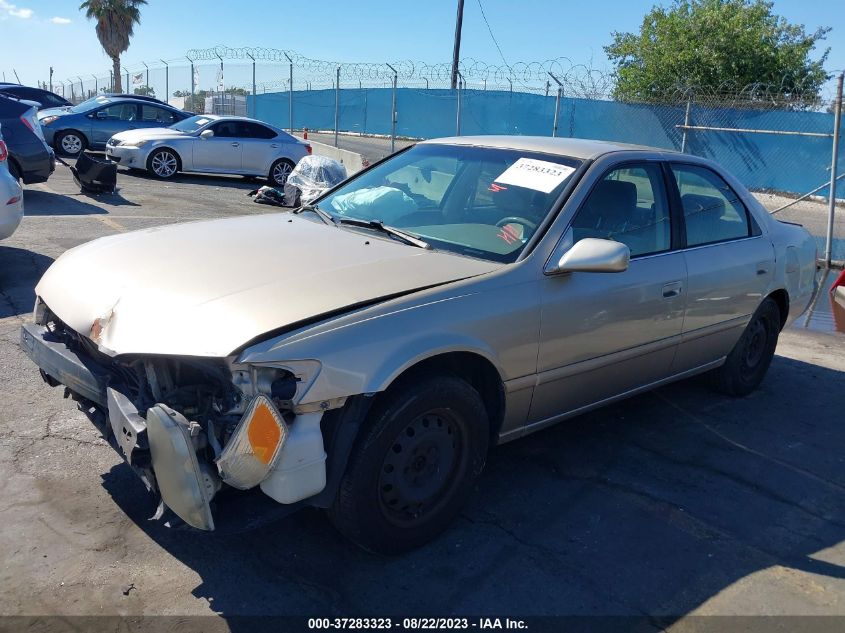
<point>115,22</point>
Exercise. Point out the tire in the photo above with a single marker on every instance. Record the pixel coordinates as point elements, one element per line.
<point>164,163</point>
<point>70,143</point>
<point>750,358</point>
<point>279,172</point>
<point>414,465</point>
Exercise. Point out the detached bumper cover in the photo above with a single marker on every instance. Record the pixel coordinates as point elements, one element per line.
<point>62,365</point>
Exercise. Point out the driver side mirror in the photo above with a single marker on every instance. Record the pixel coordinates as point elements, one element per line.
<point>206,134</point>
<point>101,114</point>
<point>593,255</point>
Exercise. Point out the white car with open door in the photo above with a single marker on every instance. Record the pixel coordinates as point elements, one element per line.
<point>209,143</point>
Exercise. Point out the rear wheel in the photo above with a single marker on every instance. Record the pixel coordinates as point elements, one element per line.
<point>413,469</point>
<point>279,172</point>
<point>163,163</point>
<point>750,358</point>
<point>70,143</point>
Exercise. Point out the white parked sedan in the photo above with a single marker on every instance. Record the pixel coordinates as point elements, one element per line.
<point>213,144</point>
<point>11,196</point>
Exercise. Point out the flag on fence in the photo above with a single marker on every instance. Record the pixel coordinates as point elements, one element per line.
<point>220,80</point>
<point>137,79</point>
<point>196,76</point>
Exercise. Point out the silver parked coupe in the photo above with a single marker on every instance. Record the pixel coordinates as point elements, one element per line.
<point>364,353</point>
<point>212,144</point>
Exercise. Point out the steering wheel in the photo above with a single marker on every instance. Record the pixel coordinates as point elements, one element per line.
<point>518,220</point>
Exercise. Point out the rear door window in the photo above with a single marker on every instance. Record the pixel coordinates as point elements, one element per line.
<point>256,130</point>
<point>712,210</point>
<point>153,114</point>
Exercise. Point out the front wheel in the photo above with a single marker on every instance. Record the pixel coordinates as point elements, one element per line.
<point>279,172</point>
<point>163,163</point>
<point>415,465</point>
<point>746,365</point>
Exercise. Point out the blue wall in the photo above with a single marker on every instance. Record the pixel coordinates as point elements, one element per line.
<point>761,161</point>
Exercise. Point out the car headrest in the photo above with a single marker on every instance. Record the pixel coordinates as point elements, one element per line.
<point>614,201</point>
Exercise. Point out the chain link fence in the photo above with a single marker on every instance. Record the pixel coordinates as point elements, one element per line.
<point>778,143</point>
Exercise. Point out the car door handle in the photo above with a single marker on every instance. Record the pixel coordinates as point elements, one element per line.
<point>236,144</point>
<point>672,289</point>
<point>274,145</point>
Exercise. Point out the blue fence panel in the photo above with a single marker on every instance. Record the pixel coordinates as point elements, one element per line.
<point>793,164</point>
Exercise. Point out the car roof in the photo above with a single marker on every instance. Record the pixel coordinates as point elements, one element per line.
<point>573,147</point>
<point>105,99</point>
<point>126,95</point>
<point>232,117</point>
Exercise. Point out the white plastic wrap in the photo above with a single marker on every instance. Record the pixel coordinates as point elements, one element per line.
<point>311,177</point>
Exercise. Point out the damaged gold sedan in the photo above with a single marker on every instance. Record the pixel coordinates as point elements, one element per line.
<point>362,353</point>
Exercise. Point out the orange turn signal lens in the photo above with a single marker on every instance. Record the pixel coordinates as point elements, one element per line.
<point>264,431</point>
<point>254,447</point>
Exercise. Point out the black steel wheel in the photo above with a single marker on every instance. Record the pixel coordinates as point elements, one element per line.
<point>411,472</point>
<point>748,362</point>
<point>420,466</point>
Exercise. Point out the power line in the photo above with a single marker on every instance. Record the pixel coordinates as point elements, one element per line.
<point>493,37</point>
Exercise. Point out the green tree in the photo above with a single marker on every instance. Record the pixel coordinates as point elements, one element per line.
<point>716,45</point>
<point>148,91</point>
<point>116,20</point>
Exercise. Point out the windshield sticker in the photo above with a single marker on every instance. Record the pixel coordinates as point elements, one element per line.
<point>203,121</point>
<point>539,175</point>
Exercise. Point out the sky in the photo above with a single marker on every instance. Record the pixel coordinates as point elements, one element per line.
<point>37,34</point>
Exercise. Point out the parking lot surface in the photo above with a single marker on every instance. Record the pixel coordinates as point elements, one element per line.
<point>674,503</point>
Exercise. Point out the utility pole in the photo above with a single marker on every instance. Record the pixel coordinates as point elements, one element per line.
<point>51,79</point>
<point>456,53</point>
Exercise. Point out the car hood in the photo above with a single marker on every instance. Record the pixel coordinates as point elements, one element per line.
<point>149,134</point>
<point>207,288</point>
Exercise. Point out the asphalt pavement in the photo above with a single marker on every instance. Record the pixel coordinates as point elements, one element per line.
<point>667,506</point>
